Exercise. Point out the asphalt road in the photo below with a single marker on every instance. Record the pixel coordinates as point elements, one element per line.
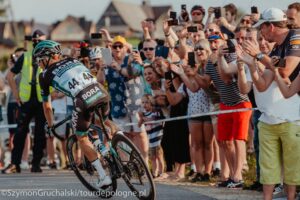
<point>65,185</point>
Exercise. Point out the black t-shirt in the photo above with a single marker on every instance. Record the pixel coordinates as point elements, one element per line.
<point>290,47</point>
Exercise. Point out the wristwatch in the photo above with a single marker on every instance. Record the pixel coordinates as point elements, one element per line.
<point>259,56</point>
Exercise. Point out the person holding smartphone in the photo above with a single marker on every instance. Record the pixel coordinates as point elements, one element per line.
<point>198,14</point>
<point>273,27</point>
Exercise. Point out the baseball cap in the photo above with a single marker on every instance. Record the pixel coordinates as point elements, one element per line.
<point>119,39</point>
<point>37,33</point>
<point>271,15</point>
<point>198,7</point>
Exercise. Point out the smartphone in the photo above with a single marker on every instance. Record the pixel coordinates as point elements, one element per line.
<point>217,11</point>
<point>96,35</point>
<point>173,15</point>
<point>107,56</point>
<point>173,22</point>
<point>191,59</point>
<point>28,38</point>
<point>192,29</point>
<point>135,50</point>
<point>168,76</point>
<point>231,46</point>
<point>183,7</point>
<point>281,63</point>
<point>162,51</point>
<point>254,10</point>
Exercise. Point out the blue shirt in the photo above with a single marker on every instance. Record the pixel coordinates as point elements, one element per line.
<point>116,88</point>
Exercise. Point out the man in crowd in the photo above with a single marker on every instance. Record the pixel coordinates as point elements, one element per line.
<point>29,99</point>
<point>293,15</point>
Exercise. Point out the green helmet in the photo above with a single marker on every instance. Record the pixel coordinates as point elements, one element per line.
<point>46,48</point>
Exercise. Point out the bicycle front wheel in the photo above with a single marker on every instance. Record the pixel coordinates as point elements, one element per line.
<point>136,173</point>
<point>86,173</point>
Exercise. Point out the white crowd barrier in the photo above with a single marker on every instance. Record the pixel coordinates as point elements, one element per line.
<point>179,118</point>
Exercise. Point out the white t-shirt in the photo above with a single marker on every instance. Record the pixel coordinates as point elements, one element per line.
<point>198,101</point>
<point>274,107</point>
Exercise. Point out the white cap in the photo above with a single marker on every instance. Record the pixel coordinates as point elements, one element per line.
<point>271,15</point>
<point>96,53</point>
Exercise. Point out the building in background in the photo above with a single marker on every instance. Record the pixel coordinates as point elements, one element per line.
<point>125,18</point>
<point>72,29</point>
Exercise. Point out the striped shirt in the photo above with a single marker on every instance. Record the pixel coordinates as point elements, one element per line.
<point>229,93</point>
<point>154,131</point>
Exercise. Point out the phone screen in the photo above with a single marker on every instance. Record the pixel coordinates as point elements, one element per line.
<point>106,55</point>
<point>96,35</point>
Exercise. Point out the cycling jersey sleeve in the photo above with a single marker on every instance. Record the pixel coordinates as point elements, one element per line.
<point>45,87</point>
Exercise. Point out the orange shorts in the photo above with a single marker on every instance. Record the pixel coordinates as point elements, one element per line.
<point>234,126</point>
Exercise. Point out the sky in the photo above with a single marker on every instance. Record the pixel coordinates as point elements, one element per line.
<point>49,11</point>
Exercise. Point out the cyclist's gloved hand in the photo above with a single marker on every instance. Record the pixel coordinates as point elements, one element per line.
<point>49,130</point>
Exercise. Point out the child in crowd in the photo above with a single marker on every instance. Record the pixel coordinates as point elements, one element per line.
<point>154,132</point>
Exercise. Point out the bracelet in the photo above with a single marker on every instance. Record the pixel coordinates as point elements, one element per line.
<point>167,35</point>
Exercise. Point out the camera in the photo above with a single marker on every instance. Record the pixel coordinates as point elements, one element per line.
<point>254,10</point>
<point>28,38</point>
<point>192,29</point>
<point>96,35</point>
<point>191,59</point>
<point>217,12</point>
<point>183,7</point>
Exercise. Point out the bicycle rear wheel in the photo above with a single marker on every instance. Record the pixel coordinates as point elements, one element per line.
<point>137,175</point>
<point>86,173</point>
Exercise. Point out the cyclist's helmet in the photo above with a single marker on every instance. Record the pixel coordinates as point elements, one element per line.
<point>95,53</point>
<point>46,48</point>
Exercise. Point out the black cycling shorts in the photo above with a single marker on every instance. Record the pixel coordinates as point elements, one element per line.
<point>85,104</point>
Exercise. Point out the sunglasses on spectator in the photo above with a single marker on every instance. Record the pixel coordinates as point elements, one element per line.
<point>148,49</point>
<point>211,31</point>
<point>247,21</point>
<point>198,48</point>
<point>117,46</point>
<point>196,13</point>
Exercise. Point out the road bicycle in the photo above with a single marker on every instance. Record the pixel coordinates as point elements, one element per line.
<point>122,160</point>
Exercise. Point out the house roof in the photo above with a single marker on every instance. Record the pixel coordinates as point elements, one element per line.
<point>160,10</point>
<point>5,41</point>
<point>43,27</point>
<point>131,13</point>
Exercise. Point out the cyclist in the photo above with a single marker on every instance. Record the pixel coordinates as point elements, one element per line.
<point>73,79</point>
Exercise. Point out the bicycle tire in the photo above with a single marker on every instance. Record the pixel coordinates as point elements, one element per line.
<point>71,143</point>
<point>141,165</point>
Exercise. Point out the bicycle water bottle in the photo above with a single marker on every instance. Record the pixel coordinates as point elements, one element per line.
<point>100,146</point>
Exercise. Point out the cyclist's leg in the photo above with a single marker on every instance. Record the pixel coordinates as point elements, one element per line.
<point>81,120</point>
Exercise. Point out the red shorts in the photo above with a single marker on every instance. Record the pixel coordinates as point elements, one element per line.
<point>234,126</point>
